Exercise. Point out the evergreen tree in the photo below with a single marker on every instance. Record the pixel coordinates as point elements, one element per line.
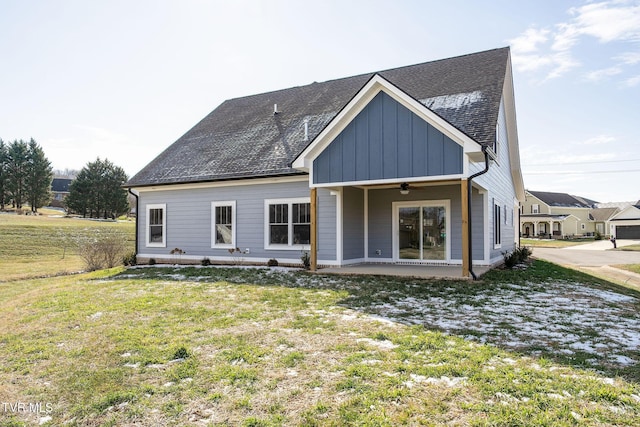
<point>17,170</point>
<point>3,174</point>
<point>97,191</point>
<point>39,177</point>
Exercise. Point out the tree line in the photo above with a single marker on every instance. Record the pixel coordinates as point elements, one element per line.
<point>25,175</point>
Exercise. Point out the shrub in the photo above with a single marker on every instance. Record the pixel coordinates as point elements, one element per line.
<point>129,258</point>
<point>152,261</point>
<point>598,236</point>
<point>102,249</point>
<point>272,262</point>
<point>518,256</point>
<point>205,262</point>
<point>306,260</point>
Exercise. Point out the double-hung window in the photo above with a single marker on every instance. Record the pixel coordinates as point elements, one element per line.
<point>223,224</point>
<point>287,223</point>
<point>157,225</point>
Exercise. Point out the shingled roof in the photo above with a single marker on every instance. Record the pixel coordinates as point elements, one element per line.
<point>243,138</point>
<point>563,200</point>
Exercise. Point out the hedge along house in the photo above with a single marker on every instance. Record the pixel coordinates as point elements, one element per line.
<point>418,164</point>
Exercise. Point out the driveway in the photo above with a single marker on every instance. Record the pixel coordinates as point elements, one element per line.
<point>596,258</point>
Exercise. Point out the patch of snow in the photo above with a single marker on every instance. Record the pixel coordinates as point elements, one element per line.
<point>95,316</point>
<point>44,420</point>
<point>455,101</point>
<point>382,344</point>
<point>132,365</point>
<point>446,381</point>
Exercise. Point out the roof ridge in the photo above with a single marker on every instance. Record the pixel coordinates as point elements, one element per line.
<point>368,74</point>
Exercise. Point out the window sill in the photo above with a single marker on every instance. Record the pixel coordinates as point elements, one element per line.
<point>156,245</point>
<point>288,247</point>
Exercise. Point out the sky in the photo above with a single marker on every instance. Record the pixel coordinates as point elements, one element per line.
<point>124,79</point>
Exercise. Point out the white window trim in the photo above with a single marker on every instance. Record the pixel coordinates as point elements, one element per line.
<point>420,203</point>
<point>290,246</point>
<point>231,245</point>
<point>163,244</point>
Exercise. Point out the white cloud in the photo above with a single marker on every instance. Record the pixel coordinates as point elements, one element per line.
<point>529,40</point>
<point>550,50</point>
<point>632,81</point>
<point>608,21</point>
<point>598,75</point>
<point>600,139</point>
<point>628,58</point>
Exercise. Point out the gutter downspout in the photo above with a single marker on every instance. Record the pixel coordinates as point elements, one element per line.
<point>475,175</point>
<point>137,213</point>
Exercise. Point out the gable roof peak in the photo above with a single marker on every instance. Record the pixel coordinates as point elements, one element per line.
<point>242,138</point>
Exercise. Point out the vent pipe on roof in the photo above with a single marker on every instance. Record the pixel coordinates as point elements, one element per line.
<point>306,129</point>
<point>275,109</point>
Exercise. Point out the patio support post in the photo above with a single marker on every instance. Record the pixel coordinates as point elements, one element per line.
<point>465,226</point>
<point>314,230</point>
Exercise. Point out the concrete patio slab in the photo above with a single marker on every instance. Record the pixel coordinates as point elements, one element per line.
<point>415,271</point>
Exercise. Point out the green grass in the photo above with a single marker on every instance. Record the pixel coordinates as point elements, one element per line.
<point>629,248</point>
<point>224,346</point>
<point>635,268</point>
<point>38,246</point>
<point>556,243</point>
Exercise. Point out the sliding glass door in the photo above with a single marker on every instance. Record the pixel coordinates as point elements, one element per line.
<point>421,231</point>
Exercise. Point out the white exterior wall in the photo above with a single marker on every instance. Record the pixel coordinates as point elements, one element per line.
<point>189,221</point>
<point>499,186</point>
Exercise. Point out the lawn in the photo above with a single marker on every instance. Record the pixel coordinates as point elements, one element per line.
<point>554,243</point>
<point>38,246</point>
<point>187,346</point>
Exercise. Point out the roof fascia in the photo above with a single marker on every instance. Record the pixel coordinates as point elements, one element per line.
<point>512,131</point>
<point>375,85</point>
<point>218,184</point>
<point>623,211</point>
<point>539,199</point>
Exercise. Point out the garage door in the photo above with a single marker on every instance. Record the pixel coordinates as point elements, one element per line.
<point>628,232</point>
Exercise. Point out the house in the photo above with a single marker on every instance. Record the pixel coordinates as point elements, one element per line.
<point>550,214</point>
<point>418,164</point>
<point>59,190</point>
<point>601,217</point>
<point>626,223</point>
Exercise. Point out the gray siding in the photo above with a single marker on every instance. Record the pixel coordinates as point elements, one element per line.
<point>499,183</point>
<point>381,219</point>
<point>387,141</point>
<point>188,219</point>
<point>353,223</point>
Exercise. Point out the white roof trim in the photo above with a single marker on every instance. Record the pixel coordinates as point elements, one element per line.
<point>374,86</point>
<point>512,132</point>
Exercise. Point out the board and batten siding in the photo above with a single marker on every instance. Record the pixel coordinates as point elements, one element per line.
<point>387,141</point>
<point>189,216</point>
<point>501,191</point>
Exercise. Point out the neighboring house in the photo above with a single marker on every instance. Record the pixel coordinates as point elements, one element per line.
<point>548,214</point>
<point>374,168</point>
<point>602,219</point>
<point>60,190</point>
<point>626,223</point>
